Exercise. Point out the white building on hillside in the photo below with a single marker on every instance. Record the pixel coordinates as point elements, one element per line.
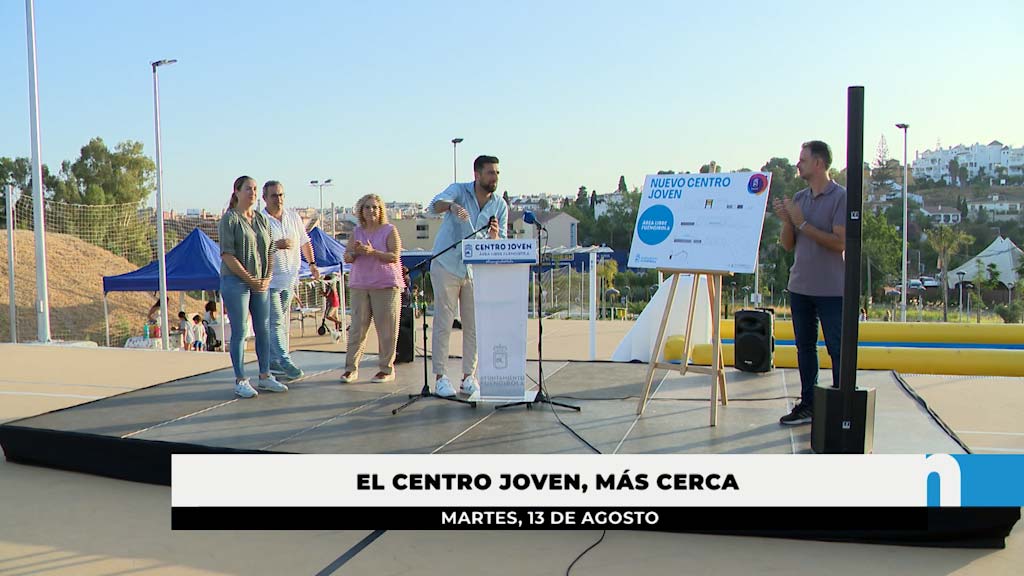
<point>993,160</point>
<point>941,214</point>
<point>603,202</point>
<point>999,207</point>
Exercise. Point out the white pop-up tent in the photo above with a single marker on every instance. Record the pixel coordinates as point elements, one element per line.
<point>1002,252</point>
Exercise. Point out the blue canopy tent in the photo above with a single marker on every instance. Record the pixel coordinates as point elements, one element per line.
<point>194,264</point>
<point>327,252</point>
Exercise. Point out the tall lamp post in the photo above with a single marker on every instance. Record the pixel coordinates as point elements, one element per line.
<point>960,283</point>
<point>903,298</point>
<point>320,184</point>
<point>42,303</point>
<point>160,202</point>
<point>455,159</point>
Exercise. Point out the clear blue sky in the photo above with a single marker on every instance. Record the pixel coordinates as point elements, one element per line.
<point>565,93</point>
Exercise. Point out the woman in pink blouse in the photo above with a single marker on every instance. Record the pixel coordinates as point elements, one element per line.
<point>375,286</point>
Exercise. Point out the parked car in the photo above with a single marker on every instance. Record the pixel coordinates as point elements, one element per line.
<point>929,282</point>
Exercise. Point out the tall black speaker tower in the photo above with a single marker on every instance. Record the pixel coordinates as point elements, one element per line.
<point>844,417</point>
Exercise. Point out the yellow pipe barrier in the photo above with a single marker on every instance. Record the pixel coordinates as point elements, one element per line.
<point>967,362</point>
<point>937,332</point>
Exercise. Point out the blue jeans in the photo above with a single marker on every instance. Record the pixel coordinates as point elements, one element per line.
<point>240,302</point>
<point>280,319</point>
<point>807,310</point>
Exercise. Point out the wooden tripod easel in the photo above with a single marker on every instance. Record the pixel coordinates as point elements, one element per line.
<point>717,368</point>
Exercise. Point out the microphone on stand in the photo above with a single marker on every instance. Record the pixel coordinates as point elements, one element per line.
<point>531,218</point>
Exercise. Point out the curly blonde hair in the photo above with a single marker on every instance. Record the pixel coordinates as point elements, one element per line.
<point>383,213</point>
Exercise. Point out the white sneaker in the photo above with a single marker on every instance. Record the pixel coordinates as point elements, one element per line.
<point>443,388</point>
<point>469,385</point>
<point>244,390</point>
<point>271,384</point>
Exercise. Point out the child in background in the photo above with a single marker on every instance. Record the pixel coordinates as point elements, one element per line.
<point>185,327</point>
<point>198,333</point>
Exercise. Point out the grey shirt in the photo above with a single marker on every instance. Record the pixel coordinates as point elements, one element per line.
<point>818,271</point>
<point>249,243</point>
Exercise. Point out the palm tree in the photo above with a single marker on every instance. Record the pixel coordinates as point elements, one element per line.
<point>947,242</point>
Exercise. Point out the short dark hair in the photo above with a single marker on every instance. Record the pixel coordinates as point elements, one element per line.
<point>820,150</point>
<point>269,184</point>
<point>480,161</point>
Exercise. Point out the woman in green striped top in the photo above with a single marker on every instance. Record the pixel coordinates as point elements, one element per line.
<point>244,279</point>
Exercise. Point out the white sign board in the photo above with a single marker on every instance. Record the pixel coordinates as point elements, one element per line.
<point>700,221</point>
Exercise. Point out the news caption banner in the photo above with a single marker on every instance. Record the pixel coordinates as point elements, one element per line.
<point>580,491</point>
<point>700,221</point>
<point>501,277</point>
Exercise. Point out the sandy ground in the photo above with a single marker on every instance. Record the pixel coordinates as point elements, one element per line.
<point>56,523</point>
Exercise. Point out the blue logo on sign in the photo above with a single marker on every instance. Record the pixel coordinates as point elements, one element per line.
<point>757,184</point>
<point>654,225</point>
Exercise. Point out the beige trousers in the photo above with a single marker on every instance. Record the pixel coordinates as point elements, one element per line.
<point>452,293</point>
<point>382,305</point>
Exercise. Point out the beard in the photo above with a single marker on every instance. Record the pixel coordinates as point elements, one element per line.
<point>489,187</point>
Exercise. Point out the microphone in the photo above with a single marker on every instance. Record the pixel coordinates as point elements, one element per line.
<point>531,218</point>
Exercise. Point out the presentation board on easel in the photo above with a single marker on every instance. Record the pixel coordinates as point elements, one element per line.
<point>707,225</point>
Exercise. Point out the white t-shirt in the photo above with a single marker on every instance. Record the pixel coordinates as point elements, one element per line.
<point>285,263</point>
<point>199,333</point>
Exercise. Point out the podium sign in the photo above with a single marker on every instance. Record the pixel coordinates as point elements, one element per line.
<point>501,276</point>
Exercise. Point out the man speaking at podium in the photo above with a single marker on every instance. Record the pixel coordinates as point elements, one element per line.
<point>814,228</point>
<point>467,206</point>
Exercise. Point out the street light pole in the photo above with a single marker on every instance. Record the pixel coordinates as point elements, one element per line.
<point>455,160</point>
<point>903,297</point>
<point>42,303</point>
<point>321,185</point>
<point>160,203</point>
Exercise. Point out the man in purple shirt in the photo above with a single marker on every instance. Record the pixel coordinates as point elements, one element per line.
<point>814,228</point>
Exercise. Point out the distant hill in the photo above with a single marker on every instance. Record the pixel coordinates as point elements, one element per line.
<point>947,195</point>
<point>75,271</point>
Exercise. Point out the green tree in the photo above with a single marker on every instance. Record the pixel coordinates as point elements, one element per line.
<point>882,249</point>
<point>607,270</point>
<point>582,198</point>
<point>543,204</point>
<point>947,242</point>
<point>622,185</point>
<point>785,181</point>
<point>124,175</point>
<point>954,172</point>
<point>615,227</point>
<point>710,168</point>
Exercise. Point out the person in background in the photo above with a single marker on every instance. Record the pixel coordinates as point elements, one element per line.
<point>244,280</point>
<point>333,302</point>
<point>210,313</point>
<point>185,329</point>
<point>198,333</point>
<point>375,286</point>
<point>153,316</point>
<point>290,242</point>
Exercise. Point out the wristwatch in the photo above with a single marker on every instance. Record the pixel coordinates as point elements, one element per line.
<point>802,224</point>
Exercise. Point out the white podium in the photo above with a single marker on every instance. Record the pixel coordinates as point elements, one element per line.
<point>501,279</point>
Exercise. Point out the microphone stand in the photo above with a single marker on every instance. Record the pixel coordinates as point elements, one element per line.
<point>542,396</point>
<point>425,392</point>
